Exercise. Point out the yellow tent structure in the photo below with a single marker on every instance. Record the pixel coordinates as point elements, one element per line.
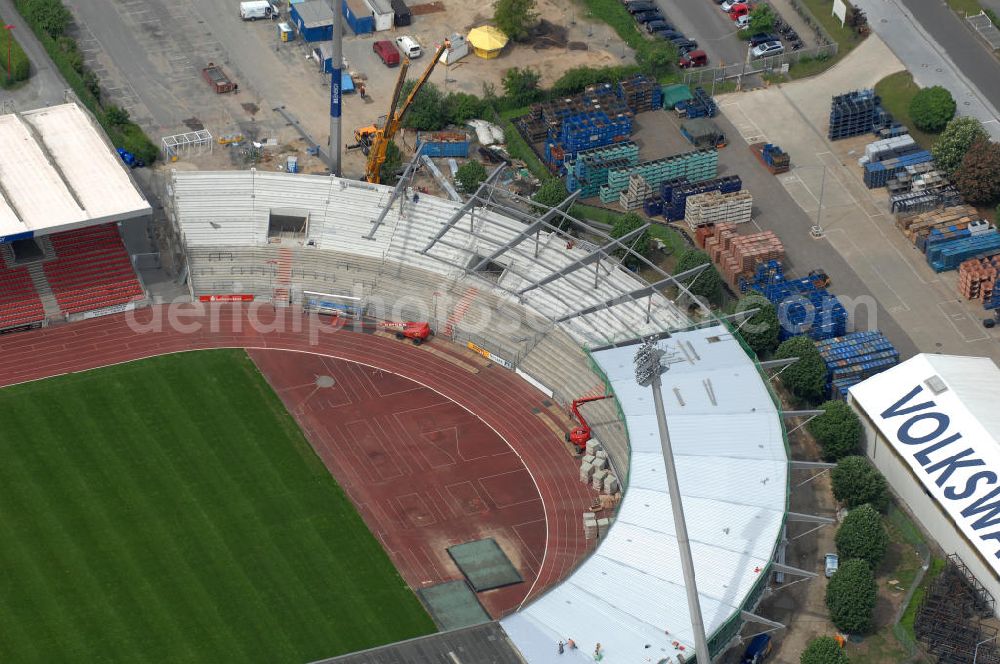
<point>487,41</point>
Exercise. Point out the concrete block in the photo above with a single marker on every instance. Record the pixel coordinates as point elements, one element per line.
<point>610,484</point>
<point>589,458</point>
<point>600,464</point>
<point>598,479</point>
<point>593,446</point>
<point>586,472</point>
<point>601,454</point>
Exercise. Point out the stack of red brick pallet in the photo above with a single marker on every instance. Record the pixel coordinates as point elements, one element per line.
<point>918,226</point>
<point>738,255</point>
<point>977,276</point>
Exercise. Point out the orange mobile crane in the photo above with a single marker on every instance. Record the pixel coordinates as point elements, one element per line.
<point>374,139</point>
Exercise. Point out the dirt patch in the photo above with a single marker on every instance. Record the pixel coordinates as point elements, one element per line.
<point>194,124</point>
<point>426,8</point>
<point>250,108</point>
<point>548,35</point>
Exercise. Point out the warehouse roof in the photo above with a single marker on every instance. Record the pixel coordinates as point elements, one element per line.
<point>732,465</point>
<point>57,172</point>
<point>939,413</point>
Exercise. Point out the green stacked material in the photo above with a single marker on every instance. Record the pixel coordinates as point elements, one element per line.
<point>695,166</point>
<point>588,172</point>
<point>675,93</point>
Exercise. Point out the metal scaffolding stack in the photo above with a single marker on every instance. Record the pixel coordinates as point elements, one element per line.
<point>950,618</point>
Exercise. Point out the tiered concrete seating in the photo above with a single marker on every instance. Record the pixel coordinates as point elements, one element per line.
<point>19,301</point>
<point>92,270</point>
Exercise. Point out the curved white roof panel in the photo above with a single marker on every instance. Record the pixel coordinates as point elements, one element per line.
<point>58,172</point>
<point>732,466</point>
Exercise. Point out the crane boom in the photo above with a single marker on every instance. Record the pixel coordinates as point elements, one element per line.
<point>393,121</point>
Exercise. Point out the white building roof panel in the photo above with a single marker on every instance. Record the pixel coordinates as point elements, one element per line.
<point>938,412</point>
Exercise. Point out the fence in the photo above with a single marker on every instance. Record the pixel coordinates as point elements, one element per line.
<point>983,24</point>
<point>775,63</point>
<point>810,20</point>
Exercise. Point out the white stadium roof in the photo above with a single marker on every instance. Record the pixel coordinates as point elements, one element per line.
<point>732,463</point>
<point>58,172</point>
<point>940,414</point>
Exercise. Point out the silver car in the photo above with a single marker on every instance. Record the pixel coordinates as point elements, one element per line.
<point>768,48</point>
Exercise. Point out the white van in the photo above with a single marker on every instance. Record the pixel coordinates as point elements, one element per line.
<point>409,46</point>
<point>255,9</point>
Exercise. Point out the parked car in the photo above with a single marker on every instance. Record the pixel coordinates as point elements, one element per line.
<point>758,650</point>
<point>693,59</point>
<point>409,46</point>
<point>668,34</point>
<point>738,10</point>
<point>761,37</point>
<point>832,563</point>
<point>387,51</point>
<point>646,17</point>
<point>742,22</point>
<point>640,7</point>
<point>684,44</point>
<point>728,4</point>
<point>658,26</point>
<point>768,49</point>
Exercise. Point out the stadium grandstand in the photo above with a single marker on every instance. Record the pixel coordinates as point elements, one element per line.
<point>63,192</point>
<point>508,280</point>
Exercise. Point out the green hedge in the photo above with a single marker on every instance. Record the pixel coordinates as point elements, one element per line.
<point>69,61</point>
<point>20,68</point>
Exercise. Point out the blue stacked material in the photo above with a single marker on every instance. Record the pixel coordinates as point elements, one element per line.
<point>588,130</point>
<point>444,144</point>
<point>766,274</point>
<point>879,173</point>
<point>653,207</point>
<point>946,256</point>
<point>640,93</point>
<point>992,301</point>
<point>667,188</point>
<point>674,204</point>
<point>588,170</point>
<point>853,114</point>
<point>805,309</point>
<point>853,357</point>
<point>924,242</point>
<point>892,131</point>
<point>700,106</point>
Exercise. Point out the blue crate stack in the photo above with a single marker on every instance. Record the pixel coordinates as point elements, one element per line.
<point>853,114</point>
<point>805,309</point>
<point>675,198</point>
<point>853,357</point>
<point>640,93</point>
<point>879,173</point>
<point>588,170</point>
<point>584,131</point>
<point>945,256</point>
<point>700,106</point>
<point>765,275</point>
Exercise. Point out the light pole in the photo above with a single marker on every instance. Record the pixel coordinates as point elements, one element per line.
<point>817,230</point>
<point>975,653</point>
<point>10,42</point>
<point>648,369</point>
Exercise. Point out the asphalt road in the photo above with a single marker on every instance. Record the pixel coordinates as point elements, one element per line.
<point>703,21</point>
<point>964,47</point>
<point>46,86</point>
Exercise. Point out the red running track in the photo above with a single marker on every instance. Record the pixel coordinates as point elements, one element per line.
<point>423,472</point>
<point>501,399</point>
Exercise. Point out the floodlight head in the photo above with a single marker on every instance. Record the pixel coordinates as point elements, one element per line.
<point>648,365</point>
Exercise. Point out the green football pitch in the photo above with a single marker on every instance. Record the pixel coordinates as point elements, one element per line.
<point>170,510</point>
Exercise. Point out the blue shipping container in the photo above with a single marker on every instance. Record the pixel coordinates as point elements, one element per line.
<point>313,20</point>
<point>442,148</point>
<point>358,16</point>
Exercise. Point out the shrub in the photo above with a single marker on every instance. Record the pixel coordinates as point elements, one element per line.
<point>851,596</point>
<point>707,284</point>
<point>931,108</point>
<point>856,482</point>
<point>760,332</point>
<point>470,175</point>
<point>461,106</point>
<point>960,135</point>
<point>805,378</point>
<point>521,86</point>
<point>862,535</point>
<point>578,78</point>
<point>49,15</point>
<point>761,19</point>
<point>515,17</point>
<point>427,111</point>
<point>135,141</point>
<point>551,193</point>
<point>624,225</point>
<point>978,178</point>
<point>20,67</point>
<point>656,57</point>
<point>824,650</point>
<point>388,172</point>
<point>837,430</point>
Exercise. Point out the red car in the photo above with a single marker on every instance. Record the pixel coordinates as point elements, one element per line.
<point>693,59</point>
<point>739,9</point>
<point>387,51</point>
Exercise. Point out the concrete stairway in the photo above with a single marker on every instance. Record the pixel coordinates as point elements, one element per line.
<point>41,284</point>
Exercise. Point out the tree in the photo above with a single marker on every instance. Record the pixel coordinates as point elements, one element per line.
<point>427,110</point>
<point>389,171</point>
<point>470,174</point>
<point>116,115</point>
<point>862,535</point>
<point>461,106</point>
<point>824,650</point>
<point>960,135</point>
<point>761,19</point>
<point>760,331</point>
<point>707,284</point>
<point>978,178</point>
<point>521,85</point>
<point>656,57</point>
<point>806,378</point>
<point>837,430</point>
<point>515,17</point>
<point>552,193</point>
<point>49,15</point>
<point>931,108</point>
<point>624,225</point>
<point>857,482</point>
<point>851,596</point>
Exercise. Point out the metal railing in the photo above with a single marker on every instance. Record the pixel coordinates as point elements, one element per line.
<point>772,64</point>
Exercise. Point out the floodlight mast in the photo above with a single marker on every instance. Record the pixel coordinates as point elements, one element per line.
<point>648,369</point>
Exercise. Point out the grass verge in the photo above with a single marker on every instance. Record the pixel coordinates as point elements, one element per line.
<point>172,507</point>
<point>966,7</point>
<point>847,39</point>
<point>910,614</point>
<point>896,91</point>
<point>20,67</point>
